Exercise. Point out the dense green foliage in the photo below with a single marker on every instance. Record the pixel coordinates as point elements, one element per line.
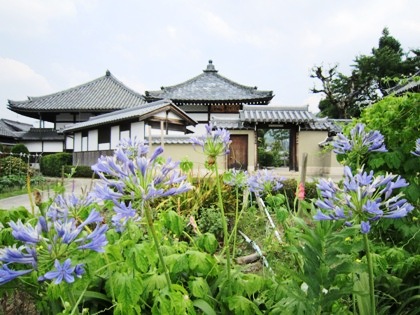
<point>52,165</point>
<point>397,118</point>
<point>20,150</point>
<point>12,165</point>
<point>79,171</point>
<point>371,78</point>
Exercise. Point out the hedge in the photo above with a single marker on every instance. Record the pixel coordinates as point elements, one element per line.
<point>51,165</point>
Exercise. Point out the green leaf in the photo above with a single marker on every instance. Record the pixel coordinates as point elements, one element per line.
<point>199,288</point>
<point>207,242</point>
<point>177,263</point>
<point>204,306</point>
<point>202,263</point>
<point>241,305</point>
<point>127,287</point>
<point>139,257</point>
<point>173,222</point>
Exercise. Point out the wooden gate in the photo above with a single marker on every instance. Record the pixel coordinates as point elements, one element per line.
<point>238,156</point>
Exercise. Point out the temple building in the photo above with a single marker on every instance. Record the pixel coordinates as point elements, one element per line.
<point>96,115</point>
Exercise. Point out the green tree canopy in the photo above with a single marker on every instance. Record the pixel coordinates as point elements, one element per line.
<point>345,96</point>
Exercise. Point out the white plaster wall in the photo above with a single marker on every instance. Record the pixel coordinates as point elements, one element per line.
<point>69,142</point>
<point>137,130</point>
<point>104,146</point>
<point>84,143</point>
<point>198,117</point>
<point>56,146</point>
<point>77,142</point>
<point>93,140</point>
<point>115,136</point>
<point>34,146</point>
<point>125,134</point>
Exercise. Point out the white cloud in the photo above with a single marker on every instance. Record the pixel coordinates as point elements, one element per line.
<point>17,82</point>
<point>32,17</point>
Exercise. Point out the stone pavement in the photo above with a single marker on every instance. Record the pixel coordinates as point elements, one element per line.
<point>78,185</point>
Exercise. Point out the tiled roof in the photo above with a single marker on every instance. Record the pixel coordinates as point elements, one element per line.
<point>12,129</point>
<point>171,139</point>
<point>276,114</point>
<point>412,85</point>
<point>128,113</point>
<point>42,134</point>
<point>209,88</point>
<point>103,94</point>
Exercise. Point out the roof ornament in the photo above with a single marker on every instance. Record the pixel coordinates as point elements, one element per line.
<point>210,67</point>
<point>108,73</point>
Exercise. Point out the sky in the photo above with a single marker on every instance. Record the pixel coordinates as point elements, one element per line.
<point>47,46</point>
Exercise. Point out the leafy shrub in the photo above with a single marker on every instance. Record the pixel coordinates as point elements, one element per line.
<point>51,165</point>
<point>289,189</point>
<point>79,171</point>
<point>209,221</point>
<point>265,158</point>
<point>20,150</point>
<point>12,165</point>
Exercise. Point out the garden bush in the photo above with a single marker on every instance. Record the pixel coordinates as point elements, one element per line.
<point>134,244</point>
<point>52,165</point>
<point>21,151</point>
<point>79,171</point>
<point>12,165</point>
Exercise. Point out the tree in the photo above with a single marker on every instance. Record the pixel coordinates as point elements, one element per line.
<point>397,118</point>
<point>345,96</point>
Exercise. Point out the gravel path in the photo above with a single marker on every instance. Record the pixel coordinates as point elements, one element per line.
<point>79,185</point>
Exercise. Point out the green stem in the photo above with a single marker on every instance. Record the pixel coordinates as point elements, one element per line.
<point>370,273</point>
<point>224,223</point>
<point>157,244</point>
<point>235,227</point>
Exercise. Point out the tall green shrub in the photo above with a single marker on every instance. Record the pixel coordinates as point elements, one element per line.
<point>51,165</point>
<point>20,150</point>
<point>397,118</point>
<point>12,165</point>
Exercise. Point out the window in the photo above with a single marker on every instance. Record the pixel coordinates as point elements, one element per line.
<point>104,134</point>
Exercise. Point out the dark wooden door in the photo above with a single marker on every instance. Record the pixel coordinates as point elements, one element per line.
<point>238,156</point>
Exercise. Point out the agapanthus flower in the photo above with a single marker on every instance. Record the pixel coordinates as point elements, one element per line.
<point>416,152</point>
<point>363,199</point>
<point>213,143</point>
<point>6,274</point>
<point>360,141</point>
<point>130,176</point>
<point>264,181</point>
<point>25,232</point>
<point>62,272</point>
<point>22,255</point>
<point>236,178</point>
<point>44,242</point>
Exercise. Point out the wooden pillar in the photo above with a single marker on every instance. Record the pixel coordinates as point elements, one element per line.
<point>293,160</point>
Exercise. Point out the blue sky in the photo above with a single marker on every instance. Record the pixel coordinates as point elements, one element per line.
<point>51,45</point>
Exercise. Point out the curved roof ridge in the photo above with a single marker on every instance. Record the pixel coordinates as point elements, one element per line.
<point>79,86</point>
<point>275,107</point>
<point>210,86</point>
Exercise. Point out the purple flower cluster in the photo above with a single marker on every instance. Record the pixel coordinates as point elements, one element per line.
<point>264,181</point>
<point>236,178</point>
<point>129,177</point>
<point>416,152</point>
<point>363,199</point>
<point>360,141</point>
<point>213,143</point>
<point>45,242</point>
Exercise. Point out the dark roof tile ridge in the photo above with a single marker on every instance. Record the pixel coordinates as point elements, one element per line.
<point>275,107</point>
<point>252,88</point>
<point>108,76</point>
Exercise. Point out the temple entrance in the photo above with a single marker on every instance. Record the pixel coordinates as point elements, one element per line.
<point>275,148</point>
<point>238,156</point>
